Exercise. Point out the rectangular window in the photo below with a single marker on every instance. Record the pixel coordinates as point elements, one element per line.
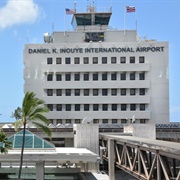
<point>104,92</point>
<point>141,59</point>
<point>51,121</point>
<point>68,77</point>
<point>95,121</point>
<point>77,107</point>
<point>95,60</point>
<point>49,77</point>
<point>77,121</point>
<point>76,60</point>
<point>113,76</point>
<point>123,107</point>
<point>95,107</point>
<point>132,92</point>
<point>123,76</point>
<point>114,121</point>
<point>50,107</point>
<point>49,92</point>
<point>86,92</point>
<point>58,92</point>
<point>68,92</point>
<point>113,92</point>
<point>105,121</point>
<point>95,77</point>
<point>77,77</point>
<point>123,60</point>
<point>104,77</point>
<point>67,60</point>
<point>68,107</point>
<point>95,92</point>
<point>58,61</point>
<point>132,76</point>
<point>132,59</point>
<point>68,121</point>
<point>142,107</point>
<point>86,107</point>
<point>132,107</point>
<point>104,60</point>
<point>141,91</point>
<point>142,76</point>
<point>113,60</point>
<point>49,60</point>
<point>105,107</point>
<point>58,107</point>
<point>123,92</point>
<point>77,92</point>
<point>58,77</point>
<point>59,121</point>
<point>86,60</point>
<point>123,121</point>
<point>114,107</point>
<point>86,77</point>
<point>142,121</point>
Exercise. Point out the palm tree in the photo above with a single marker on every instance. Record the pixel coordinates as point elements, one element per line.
<point>17,114</point>
<point>32,113</point>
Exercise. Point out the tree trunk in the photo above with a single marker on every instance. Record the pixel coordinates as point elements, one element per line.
<point>22,152</point>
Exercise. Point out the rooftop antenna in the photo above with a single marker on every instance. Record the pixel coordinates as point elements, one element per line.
<point>75,6</point>
<point>52,16</point>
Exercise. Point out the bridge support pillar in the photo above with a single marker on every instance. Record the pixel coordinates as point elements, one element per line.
<point>111,166</point>
<point>40,170</point>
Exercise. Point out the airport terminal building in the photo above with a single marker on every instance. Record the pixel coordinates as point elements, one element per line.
<point>110,76</point>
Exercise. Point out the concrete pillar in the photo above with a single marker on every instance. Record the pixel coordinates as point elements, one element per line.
<point>40,170</point>
<point>111,167</point>
<point>69,142</point>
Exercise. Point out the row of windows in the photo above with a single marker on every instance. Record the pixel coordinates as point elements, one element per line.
<point>96,60</point>
<point>96,107</point>
<point>95,121</point>
<point>96,92</point>
<point>96,76</point>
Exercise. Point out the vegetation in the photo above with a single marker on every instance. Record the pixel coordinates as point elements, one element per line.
<point>17,114</point>
<point>32,113</point>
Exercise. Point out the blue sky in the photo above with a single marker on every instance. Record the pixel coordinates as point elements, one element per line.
<point>25,21</point>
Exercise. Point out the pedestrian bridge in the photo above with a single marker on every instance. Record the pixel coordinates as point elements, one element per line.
<point>143,158</point>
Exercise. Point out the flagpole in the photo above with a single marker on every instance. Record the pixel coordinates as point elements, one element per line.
<point>64,22</point>
<point>124,20</point>
<point>136,20</point>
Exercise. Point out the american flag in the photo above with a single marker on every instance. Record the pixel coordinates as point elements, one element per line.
<point>69,11</point>
<point>130,9</point>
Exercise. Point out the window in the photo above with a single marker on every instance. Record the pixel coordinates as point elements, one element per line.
<point>142,107</point>
<point>95,77</point>
<point>58,77</point>
<point>123,76</point>
<point>132,59</point>
<point>123,121</point>
<point>141,91</point>
<point>104,60</point>
<point>95,60</point>
<point>132,92</point>
<point>123,60</point>
<point>76,60</point>
<point>142,76</point>
<point>104,77</point>
<point>68,92</point>
<point>132,107</point>
<point>77,107</point>
<point>114,121</point>
<point>113,76</point>
<point>58,92</point>
<point>86,107</point>
<point>59,107</point>
<point>123,92</point>
<point>58,61</point>
<point>142,121</point>
<point>77,92</point>
<point>76,77</point>
<point>105,107</point>
<point>105,121</point>
<point>95,92</point>
<point>95,121</point>
<point>59,121</point>
<point>68,107</point>
<point>104,92</point>
<point>50,107</point>
<point>68,77</point>
<point>49,77</point>
<point>77,121</point>
<point>141,59</point>
<point>123,107</point>
<point>86,77</point>
<point>86,92</point>
<point>51,121</point>
<point>49,60</point>
<point>68,121</point>
<point>86,60</point>
<point>113,60</point>
<point>114,107</point>
<point>68,60</point>
<point>132,76</point>
<point>49,92</point>
<point>113,92</point>
<point>95,107</point>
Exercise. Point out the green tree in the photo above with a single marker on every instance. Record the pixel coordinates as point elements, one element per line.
<point>17,114</point>
<point>4,140</point>
<point>33,113</point>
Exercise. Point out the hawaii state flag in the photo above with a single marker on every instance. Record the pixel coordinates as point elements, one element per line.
<point>69,11</point>
<point>130,9</point>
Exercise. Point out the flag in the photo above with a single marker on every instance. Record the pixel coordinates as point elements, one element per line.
<point>130,9</point>
<point>69,11</point>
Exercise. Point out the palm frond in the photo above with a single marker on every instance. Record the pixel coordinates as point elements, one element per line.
<point>41,118</point>
<point>44,128</point>
<point>17,124</point>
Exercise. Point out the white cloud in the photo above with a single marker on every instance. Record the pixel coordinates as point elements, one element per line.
<point>18,12</point>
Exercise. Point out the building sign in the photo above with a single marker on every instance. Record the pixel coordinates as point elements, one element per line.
<point>95,50</point>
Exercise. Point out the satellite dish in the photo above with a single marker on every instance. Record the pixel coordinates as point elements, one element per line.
<point>47,38</point>
<point>86,120</point>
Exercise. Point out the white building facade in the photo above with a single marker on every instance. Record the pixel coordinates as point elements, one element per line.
<point>109,76</point>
